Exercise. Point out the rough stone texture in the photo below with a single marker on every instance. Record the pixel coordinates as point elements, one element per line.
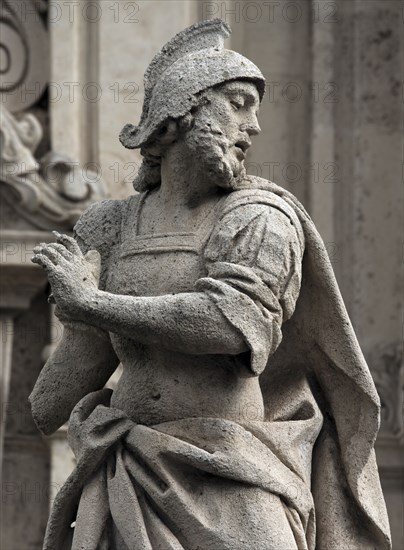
<point>246,415</point>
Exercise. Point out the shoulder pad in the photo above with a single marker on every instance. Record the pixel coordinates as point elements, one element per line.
<point>100,225</point>
<point>242,197</point>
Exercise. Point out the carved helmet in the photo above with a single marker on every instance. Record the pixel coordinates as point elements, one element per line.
<point>189,63</point>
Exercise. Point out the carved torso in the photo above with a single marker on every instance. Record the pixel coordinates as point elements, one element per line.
<point>151,264</point>
<point>144,264</point>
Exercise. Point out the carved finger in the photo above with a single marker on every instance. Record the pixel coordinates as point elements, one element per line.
<point>69,243</point>
<point>67,255</point>
<point>50,253</point>
<point>43,261</point>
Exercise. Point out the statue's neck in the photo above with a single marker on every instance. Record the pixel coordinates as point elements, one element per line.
<point>183,180</point>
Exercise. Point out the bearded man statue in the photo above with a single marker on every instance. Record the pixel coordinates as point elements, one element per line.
<point>245,417</point>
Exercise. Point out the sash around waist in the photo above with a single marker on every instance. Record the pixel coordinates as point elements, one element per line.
<point>113,451</point>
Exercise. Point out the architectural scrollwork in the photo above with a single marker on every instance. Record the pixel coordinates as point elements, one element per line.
<point>50,192</point>
<point>24,54</point>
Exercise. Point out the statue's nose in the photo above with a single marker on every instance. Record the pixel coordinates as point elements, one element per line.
<point>251,126</point>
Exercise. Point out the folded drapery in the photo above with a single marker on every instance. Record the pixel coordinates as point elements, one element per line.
<point>185,484</point>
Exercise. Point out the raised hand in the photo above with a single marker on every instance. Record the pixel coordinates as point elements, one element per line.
<point>73,277</point>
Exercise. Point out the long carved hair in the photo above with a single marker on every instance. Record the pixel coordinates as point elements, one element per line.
<point>149,174</point>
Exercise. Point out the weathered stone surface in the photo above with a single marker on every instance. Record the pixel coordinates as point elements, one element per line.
<point>246,415</point>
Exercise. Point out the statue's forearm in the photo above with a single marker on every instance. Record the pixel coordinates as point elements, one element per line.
<point>83,362</point>
<point>186,322</point>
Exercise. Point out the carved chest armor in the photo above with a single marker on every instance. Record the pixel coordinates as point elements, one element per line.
<point>151,265</point>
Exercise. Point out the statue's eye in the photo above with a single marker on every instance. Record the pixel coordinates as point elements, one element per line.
<point>236,104</point>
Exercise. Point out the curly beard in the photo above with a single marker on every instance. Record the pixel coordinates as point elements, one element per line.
<point>213,157</point>
<point>211,153</point>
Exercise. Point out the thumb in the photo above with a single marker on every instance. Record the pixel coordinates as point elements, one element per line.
<point>93,257</point>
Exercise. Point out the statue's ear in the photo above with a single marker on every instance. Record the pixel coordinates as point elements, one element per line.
<point>168,133</point>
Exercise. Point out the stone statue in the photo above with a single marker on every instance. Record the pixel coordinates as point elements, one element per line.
<point>245,417</point>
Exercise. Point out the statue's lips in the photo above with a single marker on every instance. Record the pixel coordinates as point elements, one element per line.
<point>239,153</point>
<point>241,148</point>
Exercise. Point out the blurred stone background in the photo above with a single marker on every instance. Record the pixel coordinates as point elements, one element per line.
<point>332,133</point>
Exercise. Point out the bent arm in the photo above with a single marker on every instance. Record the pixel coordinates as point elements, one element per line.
<point>187,322</point>
<point>253,264</point>
<point>83,362</point>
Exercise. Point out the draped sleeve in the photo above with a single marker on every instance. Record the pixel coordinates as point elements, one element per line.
<point>253,261</point>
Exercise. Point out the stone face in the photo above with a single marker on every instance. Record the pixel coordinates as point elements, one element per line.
<point>229,427</point>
